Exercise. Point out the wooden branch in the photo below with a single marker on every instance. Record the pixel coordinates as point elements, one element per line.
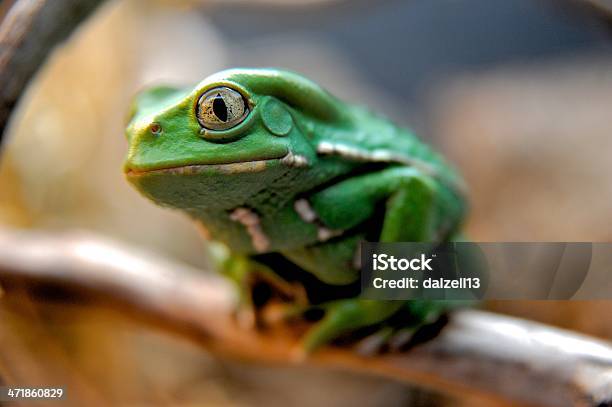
<point>29,32</point>
<point>477,353</point>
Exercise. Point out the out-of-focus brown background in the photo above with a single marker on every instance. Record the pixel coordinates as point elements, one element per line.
<point>516,94</point>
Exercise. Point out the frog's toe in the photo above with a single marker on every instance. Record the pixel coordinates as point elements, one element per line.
<point>346,316</point>
<point>390,339</point>
<point>405,338</point>
<point>401,339</point>
<point>390,326</point>
<point>277,312</point>
<point>375,343</point>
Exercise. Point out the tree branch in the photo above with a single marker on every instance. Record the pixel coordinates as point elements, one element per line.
<point>29,32</point>
<point>478,353</point>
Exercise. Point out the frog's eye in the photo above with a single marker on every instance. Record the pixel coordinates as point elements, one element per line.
<point>221,108</point>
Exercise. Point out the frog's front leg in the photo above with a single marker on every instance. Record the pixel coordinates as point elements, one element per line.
<point>413,206</point>
<point>346,315</point>
<point>416,206</point>
<point>256,283</point>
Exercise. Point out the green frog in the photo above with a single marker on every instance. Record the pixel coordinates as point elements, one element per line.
<point>290,180</point>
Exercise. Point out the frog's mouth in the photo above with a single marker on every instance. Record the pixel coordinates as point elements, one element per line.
<point>239,167</point>
<point>229,168</point>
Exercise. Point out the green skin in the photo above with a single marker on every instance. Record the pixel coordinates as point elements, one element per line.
<point>304,175</point>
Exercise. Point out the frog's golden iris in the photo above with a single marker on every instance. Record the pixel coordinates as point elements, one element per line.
<point>221,108</point>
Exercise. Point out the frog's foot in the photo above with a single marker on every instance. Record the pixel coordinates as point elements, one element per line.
<point>268,299</point>
<point>388,325</point>
<point>399,339</point>
<point>267,286</point>
<point>344,316</point>
<point>260,290</point>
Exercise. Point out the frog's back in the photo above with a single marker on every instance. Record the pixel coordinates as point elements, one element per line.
<point>366,136</point>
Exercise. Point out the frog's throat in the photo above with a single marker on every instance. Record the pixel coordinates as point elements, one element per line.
<point>289,159</point>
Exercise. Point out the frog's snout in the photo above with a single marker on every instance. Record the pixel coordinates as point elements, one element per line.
<point>136,134</point>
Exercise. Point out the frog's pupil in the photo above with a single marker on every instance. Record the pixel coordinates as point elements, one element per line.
<point>219,108</point>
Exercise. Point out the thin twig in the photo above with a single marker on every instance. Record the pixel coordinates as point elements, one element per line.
<point>477,353</point>
<point>29,32</point>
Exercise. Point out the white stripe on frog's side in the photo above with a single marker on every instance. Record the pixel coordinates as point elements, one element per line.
<point>250,221</point>
<point>294,160</point>
<point>324,234</point>
<point>384,156</point>
<point>308,215</point>
<point>303,208</point>
<point>387,156</point>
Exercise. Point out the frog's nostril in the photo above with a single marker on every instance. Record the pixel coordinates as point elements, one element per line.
<point>155,129</point>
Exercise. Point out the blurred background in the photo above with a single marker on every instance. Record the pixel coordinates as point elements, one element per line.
<point>517,94</point>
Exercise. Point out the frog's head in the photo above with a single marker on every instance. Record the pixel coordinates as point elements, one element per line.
<point>238,132</point>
